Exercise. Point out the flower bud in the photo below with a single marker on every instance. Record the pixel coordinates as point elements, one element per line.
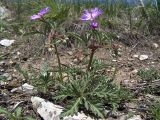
<point>94,24</point>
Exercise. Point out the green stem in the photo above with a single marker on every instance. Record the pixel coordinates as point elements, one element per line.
<point>59,63</point>
<point>90,60</point>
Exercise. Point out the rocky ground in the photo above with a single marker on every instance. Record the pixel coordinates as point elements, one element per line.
<point>131,57</point>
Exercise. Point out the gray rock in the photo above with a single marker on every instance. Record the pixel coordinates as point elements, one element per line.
<point>155,45</point>
<point>70,53</point>
<point>79,116</point>
<point>135,117</point>
<point>6,42</point>
<point>143,57</point>
<point>50,111</point>
<point>25,88</point>
<point>135,56</point>
<point>46,109</point>
<point>126,117</point>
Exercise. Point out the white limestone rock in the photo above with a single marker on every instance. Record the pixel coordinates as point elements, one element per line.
<point>135,117</point>
<point>135,56</point>
<point>50,111</point>
<point>126,117</point>
<point>6,42</point>
<point>143,57</point>
<point>25,88</point>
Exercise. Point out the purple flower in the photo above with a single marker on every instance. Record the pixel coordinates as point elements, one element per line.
<point>40,13</point>
<point>91,14</point>
<point>94,24</point>
<point>33,17</point>
<point>43,11</point>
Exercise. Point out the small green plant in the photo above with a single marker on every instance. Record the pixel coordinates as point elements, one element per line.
<point>155,111</point>
<point>2,77</point>
<point>152,78</point>
<point>44,82</point>
<point>82,93</point>
<point>99,65</point>
<point>16,115</point>
<point>89,92</point>
<point>149,74</point>
<point>51,26</point>
<point>23,72</point>
<point>3,25</point>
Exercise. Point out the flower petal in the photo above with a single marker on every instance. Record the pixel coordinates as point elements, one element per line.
<point>91,14</point>
<point>86,16</point>
<point>95,12</point>
<point>43,11</point>
<point>94,9</point>
<point>40,13</point>
<point>33,17</point>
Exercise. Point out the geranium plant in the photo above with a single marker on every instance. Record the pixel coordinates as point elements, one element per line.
<point>50,31</point>
<point>91,15</point>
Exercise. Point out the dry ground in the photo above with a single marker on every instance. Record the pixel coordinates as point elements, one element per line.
<point>29,53</point>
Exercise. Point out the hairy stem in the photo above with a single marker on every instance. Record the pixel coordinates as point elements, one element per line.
<point>90,60</point>
<point>59,63</point>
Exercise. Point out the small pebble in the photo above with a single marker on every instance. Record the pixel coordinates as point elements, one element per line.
<point>70,53</point>
<point>135,71</point>
<point>135,56</point>
<point>155,45</point>
<point>143,57</point>
<point>75,61</point>
<point>114,60</point>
